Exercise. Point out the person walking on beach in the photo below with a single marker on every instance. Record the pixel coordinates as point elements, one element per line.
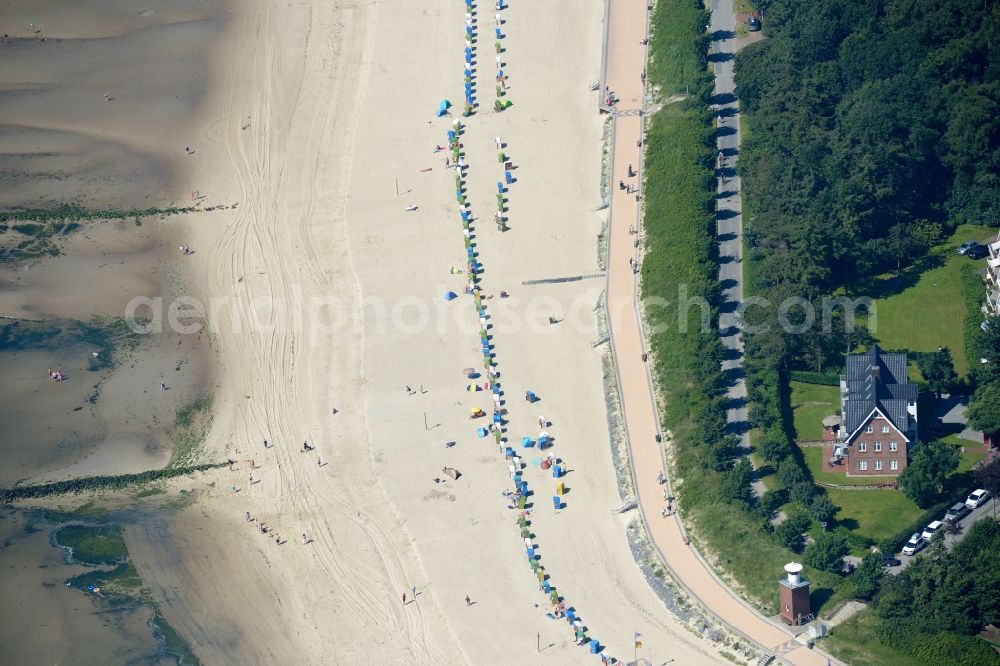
<point>468,601</point>
<point>163,386</point>
<point>414,591</point>
<point>248,516</point>
<point>404,598</point>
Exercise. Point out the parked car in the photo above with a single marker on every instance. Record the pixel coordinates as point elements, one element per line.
<point>931,528</point>
<point>890,561</point>
<point>914,545</point>
<point>956,513</point>
<point>753,24</point>
<point>977,498</point>
<point>977,252</point>
<point>966,246</point>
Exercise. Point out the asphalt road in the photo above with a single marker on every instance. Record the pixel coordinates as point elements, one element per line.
<point>984,511</point>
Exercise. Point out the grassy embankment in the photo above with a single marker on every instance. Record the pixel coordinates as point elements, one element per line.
<point>681,252</point>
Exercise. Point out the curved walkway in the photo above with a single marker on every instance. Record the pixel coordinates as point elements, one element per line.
<point>625,61</point>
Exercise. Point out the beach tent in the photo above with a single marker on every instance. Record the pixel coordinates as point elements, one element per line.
<point>527,442</point>
<point>450,295</point>
<point>443,107</point>
<point>481,432</point>
<point>452,472</point>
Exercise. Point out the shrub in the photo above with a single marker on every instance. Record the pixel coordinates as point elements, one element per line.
<point>807,377</point>
<point>773,449</point>
<point>736,483</point>
<point>802,492</point>
<point>790,532</point>
<point>790,473</point>
<point>827,552</point>
<point>821,508</point>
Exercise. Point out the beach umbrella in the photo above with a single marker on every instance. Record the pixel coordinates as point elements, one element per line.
<point>450,295</point>
<point>468,371</point>
<point>472,388</point>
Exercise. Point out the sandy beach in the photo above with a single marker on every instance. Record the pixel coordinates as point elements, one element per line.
<point>314,126</point>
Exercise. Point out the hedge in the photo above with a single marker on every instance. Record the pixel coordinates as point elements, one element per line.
<point>807,377</point>
<point>973,293</point>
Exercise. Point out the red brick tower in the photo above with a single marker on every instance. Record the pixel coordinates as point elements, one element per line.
<point>794,592</point>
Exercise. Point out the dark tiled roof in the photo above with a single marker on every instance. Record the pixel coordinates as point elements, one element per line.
<point>877,380</point>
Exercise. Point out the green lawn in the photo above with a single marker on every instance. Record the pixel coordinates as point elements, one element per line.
<point>876,514</point>
<point>811,403</point>
<point>813,456</point>
<point>973,452</point>
<point>930,313</point>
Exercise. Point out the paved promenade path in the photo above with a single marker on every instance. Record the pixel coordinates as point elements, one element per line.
<point>626,57</point>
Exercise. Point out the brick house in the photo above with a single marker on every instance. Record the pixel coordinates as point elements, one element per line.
<point>879,414</point>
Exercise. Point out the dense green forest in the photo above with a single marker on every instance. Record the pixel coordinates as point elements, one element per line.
<point>875,131</point>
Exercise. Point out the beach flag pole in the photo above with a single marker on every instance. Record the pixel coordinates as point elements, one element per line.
<point>425,421</point>
<point>397,187</point>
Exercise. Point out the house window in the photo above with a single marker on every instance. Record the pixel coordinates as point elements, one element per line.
<point>862,447</point>
<point>869,430</point>
<point>892,446</point>
<point>862,465</point>
<point>893,465</point>
<point>885,429</point>
<point>878,464</point>
<point>878,446</point>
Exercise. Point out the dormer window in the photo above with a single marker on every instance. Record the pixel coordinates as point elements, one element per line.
<point>869,430</point>
<point>885,430</point>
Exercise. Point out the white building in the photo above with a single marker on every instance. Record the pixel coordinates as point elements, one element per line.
<point>993,278</point>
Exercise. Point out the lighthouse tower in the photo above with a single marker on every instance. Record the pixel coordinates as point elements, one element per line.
<point>794,593</point>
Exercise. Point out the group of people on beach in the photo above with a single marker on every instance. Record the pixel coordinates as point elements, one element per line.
<point>56,375</point>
